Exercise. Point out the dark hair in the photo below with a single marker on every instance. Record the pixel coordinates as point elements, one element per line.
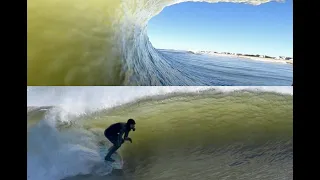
<point>131,121</point>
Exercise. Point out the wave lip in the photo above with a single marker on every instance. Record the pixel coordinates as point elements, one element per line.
<point>99,42</point>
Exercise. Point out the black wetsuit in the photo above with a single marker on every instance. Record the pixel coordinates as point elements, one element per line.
<point>114,134</point>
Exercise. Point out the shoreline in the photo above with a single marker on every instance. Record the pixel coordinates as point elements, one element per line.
<point>250,58</point>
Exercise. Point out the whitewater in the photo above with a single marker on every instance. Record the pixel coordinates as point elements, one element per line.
<point>182,132</point>
<point>105,42</point>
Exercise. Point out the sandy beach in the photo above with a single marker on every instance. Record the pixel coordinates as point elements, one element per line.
<point>252,58</point>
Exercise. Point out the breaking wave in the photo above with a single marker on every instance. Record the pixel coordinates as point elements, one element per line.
<point>182,132</point>
<point>100,42</point>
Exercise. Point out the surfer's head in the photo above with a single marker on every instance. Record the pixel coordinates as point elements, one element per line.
<point>131,124</point>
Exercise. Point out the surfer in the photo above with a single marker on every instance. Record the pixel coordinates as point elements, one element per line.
<point>114,134</point>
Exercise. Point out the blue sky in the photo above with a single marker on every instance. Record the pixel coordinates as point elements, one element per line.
<point>240,28</point>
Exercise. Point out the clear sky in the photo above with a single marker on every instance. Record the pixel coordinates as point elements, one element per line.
<point>231,27</point>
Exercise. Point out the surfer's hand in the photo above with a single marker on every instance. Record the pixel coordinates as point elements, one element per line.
<point>129,139</point>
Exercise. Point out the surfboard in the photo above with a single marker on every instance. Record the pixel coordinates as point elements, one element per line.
<point>118,164</point>
<point>104,167</point>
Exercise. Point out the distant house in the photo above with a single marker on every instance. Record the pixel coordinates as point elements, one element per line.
<point>262,56</point>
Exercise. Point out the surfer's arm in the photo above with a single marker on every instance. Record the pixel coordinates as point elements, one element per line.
<point>120,140</point>
<point>126,135</point>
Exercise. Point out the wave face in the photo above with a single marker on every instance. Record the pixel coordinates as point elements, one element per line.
<point>99,42</point>
<point>182,132</point>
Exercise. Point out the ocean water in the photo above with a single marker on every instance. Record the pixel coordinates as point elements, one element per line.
<point>213,70</point>
<point>105,42</point>
<point>191,133</point>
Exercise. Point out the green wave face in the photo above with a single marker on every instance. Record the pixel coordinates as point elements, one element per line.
<point>211,135</point>
<point>98,42</point>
